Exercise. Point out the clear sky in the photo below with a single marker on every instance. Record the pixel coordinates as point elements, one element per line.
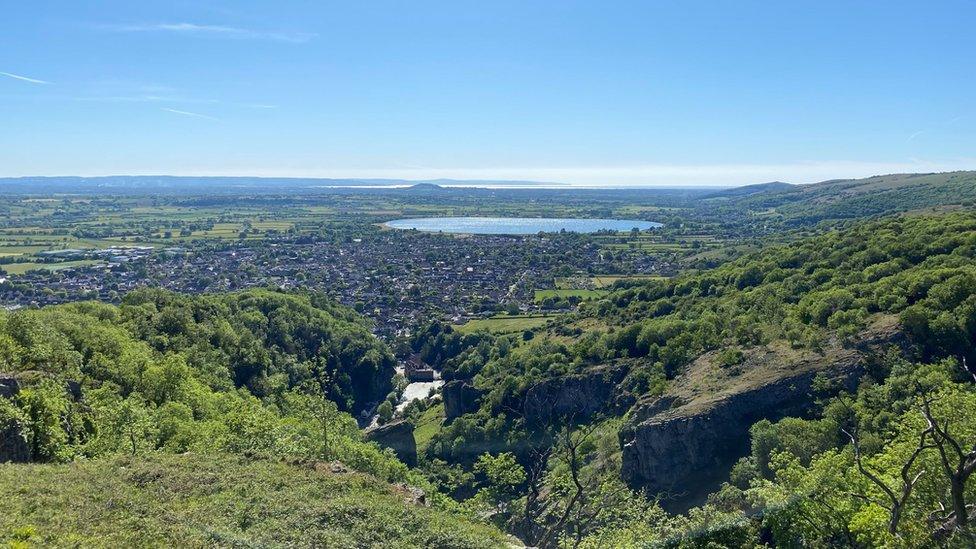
<point>598,92</point>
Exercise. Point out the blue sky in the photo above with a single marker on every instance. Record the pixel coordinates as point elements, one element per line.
<point>598,92</point>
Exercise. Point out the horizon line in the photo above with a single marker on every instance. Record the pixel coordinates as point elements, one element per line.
<point>617,176</point>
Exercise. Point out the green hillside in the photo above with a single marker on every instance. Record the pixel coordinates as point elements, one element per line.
<point>659,382</point>
<point>850,199</point>
<point>203,421</point>
<point>196,500</point>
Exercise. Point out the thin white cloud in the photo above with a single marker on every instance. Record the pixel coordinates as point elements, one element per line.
<point>23,78</point>
<point>171,99</point>
<point>148,98</point>
<point>916,134</point>
<point>192,114</point>
<point>216,30</point>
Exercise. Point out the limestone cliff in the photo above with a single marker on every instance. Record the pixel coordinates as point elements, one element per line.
<point>397,436</point>
<point>13,440</point>
<point>576,397</point>
<point>460,397</point>
<point>675,444</point>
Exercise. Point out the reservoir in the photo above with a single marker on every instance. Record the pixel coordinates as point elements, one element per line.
<point>518,225</point>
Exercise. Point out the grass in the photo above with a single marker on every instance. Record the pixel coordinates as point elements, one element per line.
<point>582,294</point>
<point>602,281</point>
<point>505,324</point>
<point>6,251</point>
<point>188,500</point>
<point>428,425</point>
<point>648,246</point>
<point>599,281</point>
<point>21,268</point>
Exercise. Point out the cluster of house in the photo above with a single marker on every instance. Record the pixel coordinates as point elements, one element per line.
<point>397,279</point>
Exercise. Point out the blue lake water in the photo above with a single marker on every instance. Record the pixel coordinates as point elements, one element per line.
<point>517,225</point>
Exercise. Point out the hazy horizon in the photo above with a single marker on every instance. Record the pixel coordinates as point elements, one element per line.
<point>391,182</point>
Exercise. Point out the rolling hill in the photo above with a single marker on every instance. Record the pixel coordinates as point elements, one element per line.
<point>852,198</point>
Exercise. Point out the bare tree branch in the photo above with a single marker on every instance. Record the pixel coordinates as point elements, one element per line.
<point>896,501</point>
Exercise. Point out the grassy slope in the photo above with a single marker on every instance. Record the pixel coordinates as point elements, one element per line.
<point>430,421</point>
<point>218,501</point>
<point>504,324</point>
<point>582,294</point>
<point>849,199</point>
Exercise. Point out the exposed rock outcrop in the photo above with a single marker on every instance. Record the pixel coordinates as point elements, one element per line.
<point>575,397</point>
<point>674,444</point>
<point>665,452</point>
<point>397,436</point>
<point>411,494</point>
<point>460,397</point>
<point>13,441</point>
<point>9,386</point>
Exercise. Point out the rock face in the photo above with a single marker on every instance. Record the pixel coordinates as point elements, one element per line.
<point>9,386</point>
<point>682,442</point>
<point>575,397</point>
<point>13,443</point>
<point>459,398</point>
<point>397,436</point>
<point>671,450</point>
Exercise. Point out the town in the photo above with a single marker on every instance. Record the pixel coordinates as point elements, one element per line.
<point>398,279</point>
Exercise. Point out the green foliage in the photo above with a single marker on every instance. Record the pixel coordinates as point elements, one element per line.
<point>173,373</point>
<point>817,293</point>
<point>212,376</point>
<point>801,438</point>
<point>265,341</point>
<point>502,473</point>
<point>385,412</point>
<point>818,496</point>
<point>920,268</point>
<point>730,357</point>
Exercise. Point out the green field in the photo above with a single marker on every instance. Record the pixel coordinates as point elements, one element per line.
<point>505,324</point>
<point>16,250</point>
<point>599,281</point>
<point>582,294</point>
<point>648,246</point>
<point>602,281</point>
<point>21,268</point>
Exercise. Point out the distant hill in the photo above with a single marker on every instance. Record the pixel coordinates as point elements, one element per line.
<point>857,198</point>
<point>425,187</point>
<point>774,186</point>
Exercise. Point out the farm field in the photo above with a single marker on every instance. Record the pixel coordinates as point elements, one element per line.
<point>566,293</point>
<point>599,281</point>
<point>602,281</point>
<point>21,268</point>
<point>505,324</point>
